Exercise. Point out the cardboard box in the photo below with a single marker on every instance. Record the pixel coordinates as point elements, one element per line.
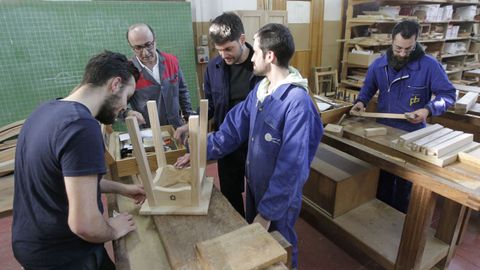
<point>127,166</point>
<point>339,182</point>
<point>362,59</point>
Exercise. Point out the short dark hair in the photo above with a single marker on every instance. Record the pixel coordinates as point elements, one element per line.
<point>406,28</point>
<point>226,27</point>
<point>137,25</point>
<point>106,65</point>
<point>278,39</point>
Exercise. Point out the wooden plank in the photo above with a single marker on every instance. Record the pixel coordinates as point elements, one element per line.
<point>193,130</point>
<point>6,195</point>
<point>378,131</point>
<point>451,145</point>
<point>250,247</point>
<point>141,249</point>
<point>11,125</point>
<point>10,133</point>
<point>463,105</point>
<point>379,115</point>
<point>417,134</point>
<point>179,234</point>
<point>470,157</point>
<point>7,167</point>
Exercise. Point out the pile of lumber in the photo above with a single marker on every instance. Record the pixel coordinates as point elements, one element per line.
<point>8,143</point>
<point>435,144</point>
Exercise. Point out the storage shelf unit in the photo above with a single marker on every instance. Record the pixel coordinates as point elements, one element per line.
<point>359,31</point>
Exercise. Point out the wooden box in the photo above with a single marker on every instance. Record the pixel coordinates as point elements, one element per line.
<point>127,166</point>
<point>362,59</point>
<point>339,182</point>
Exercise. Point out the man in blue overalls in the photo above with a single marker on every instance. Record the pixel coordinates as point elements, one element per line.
<point>283,130</point>
<point>406,78</point>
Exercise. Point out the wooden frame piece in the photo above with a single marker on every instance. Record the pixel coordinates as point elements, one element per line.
<point>325,75</point>
<point>168,190</point>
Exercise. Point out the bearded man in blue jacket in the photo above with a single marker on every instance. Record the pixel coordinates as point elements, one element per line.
<point>283,129</point>
<point>406,79</point>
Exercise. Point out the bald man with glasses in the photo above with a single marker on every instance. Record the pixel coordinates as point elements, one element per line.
<point>406,79</point>
<point>161,79</point>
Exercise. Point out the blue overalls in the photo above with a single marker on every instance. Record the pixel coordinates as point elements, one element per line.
<point>406,90</point>
<point>283,133</point>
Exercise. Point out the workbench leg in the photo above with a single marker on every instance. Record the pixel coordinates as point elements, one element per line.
<point>417,221</point>
<point>463,228</point>
<point>449,225</point>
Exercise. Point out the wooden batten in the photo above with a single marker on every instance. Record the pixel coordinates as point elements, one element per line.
<point>416,145</point>
<point>157,133</point>
<point>379,115</point>
<point>450,145</point>
<point>334,129</point>
<point>440,140</point>
<point>470,157</point>
<point>415,135</point>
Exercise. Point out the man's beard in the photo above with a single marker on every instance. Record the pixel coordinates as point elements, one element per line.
<point>106,115</point>
<point>398,62</point>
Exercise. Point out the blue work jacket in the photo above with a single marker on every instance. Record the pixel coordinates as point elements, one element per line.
<point>217,88</point>
<point>408,89</point>
<point>283,134</point>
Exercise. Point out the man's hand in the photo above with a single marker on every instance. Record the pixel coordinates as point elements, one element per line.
<point>418,116</point>
<point>137,115</point>
<point>181,134</point>
<point>358,107</point>
<point>135,192</point>
<point>121,225</point>
<point>182,161</point>
<point>265,223</point>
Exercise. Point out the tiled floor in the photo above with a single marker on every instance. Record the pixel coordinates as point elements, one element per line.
<point>316,252</point>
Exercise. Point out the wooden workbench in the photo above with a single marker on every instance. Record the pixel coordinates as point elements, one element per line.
<point>394,240</point>
<point>167,242</point>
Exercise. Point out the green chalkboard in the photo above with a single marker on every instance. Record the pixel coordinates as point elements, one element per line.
<point>44,45</point>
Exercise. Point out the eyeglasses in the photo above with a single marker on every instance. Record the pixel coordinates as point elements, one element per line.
<point>149,45</point>
<point>399,49</point>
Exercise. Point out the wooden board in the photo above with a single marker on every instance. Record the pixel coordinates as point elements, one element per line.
<point>470,157</point>
<point>379,115</point>
<point>451,145</point>
<point>6,195</point>
<point>463,105</point>
<point>141,249</point>
<point>467,88</point>
<point>179,234</point>
<point>250,247</point>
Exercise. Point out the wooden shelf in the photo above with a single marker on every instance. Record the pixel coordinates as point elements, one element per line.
<point>452,55</point>
<point>350,83</point>
<point>375,229</point>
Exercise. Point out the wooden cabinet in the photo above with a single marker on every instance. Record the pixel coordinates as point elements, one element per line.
<point>446,37</point>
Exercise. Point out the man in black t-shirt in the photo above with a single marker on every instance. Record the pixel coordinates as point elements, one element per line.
<point>59,163</point>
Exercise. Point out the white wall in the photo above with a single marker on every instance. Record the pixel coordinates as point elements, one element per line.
<point>205,10</point>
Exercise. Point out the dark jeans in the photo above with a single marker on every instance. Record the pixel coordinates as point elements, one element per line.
<point>394,191</point>
<point>99,260</point>
<point>231,171</point>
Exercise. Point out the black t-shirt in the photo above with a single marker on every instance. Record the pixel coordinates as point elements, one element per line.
<point>60,138</point>
<point>240,75</point>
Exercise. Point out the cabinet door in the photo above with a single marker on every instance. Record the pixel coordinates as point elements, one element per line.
<point>252,20</point>
<point>276,16</point>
